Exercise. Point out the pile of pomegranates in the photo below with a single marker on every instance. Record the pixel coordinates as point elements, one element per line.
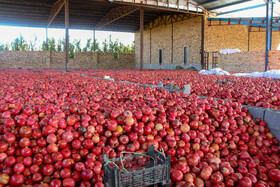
<point>55,126</point>
<point>261,92</point>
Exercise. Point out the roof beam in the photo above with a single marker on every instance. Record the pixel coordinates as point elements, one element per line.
<point>250,22</point>
<point>175,9</point>
<point>115,14</point>
<point>229,4</point>
<point>167,19</point>
<point>242,9</point>
<point>57,6</point>
<point>206,2</point>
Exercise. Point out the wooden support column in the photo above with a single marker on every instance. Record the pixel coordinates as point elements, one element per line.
<point>94,41</point>
<point>172,42</point>
<point>67,33</point>
<point>202,40</point>
<point>249,38</point>
<point>141,38</point>
<point>150,46</point>
<point>47,39</point>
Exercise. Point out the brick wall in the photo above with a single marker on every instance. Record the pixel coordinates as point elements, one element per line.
<point>25,60</point>
<point>274,60</point>
<point>257,40</point>
<point>249,61</point>
<point>237,36</point>
<point>223,37</point>
<point>44,59</point>
<point>83,60</point>
<point>108,61</point>
<point>80,60</point>
<point>57,59</point>
<point>186,33</point>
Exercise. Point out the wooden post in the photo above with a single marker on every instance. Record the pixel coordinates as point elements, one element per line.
<point>249,38</point>
<point>171,42</point>
<point>141,38</point>
<point>202,41</point>
<point>67,33</point>
<point>150,45</point>
<point>47,40</point>
<point>94,41</point>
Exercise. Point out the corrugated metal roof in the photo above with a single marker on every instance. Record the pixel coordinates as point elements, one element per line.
<point>87,13</point>
<point>238,8</point>
<point>83,14</point>
<point>252,22</point>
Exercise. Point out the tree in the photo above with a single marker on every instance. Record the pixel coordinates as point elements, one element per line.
<point>32,44</point>
<point>15,45</point>
<point>71,50</point>
<point>64,44</point>
<point>4,47</point>
<point>114,47</point>
<point>123,48</point>
<point>19,44</point>
<point>44,46</point>
<point>23,46</point>
<point>90,46</point>
<point>110,44</point>
<point>105,46</point>
<point>77,44</point>
<point>52,44</point>
<point>97,47</point>
<point>133,47</point>
<point>87,48</point>
<point>59,45</point>
<point>7,47</point>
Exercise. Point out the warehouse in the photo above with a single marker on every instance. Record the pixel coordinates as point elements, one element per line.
<point>115,15</point>
<point>171,42</point>
<point>94,120</point>
<point>173,35</point>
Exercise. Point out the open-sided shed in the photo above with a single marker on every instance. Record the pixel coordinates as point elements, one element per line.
<point>113,15</point>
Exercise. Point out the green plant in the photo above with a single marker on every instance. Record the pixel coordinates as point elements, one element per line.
<point>19,44</point>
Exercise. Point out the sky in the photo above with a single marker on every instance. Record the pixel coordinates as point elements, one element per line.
<point>9,33</point>
<point>256,12</point>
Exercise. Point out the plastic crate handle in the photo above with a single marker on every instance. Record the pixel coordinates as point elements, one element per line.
<point>121,159</point>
